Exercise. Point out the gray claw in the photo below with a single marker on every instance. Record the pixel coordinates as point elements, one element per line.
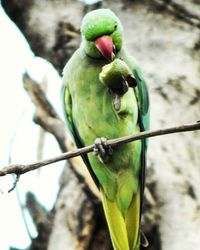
<point>108,148</point>
<point>102,149</point>
<point>95,150</point>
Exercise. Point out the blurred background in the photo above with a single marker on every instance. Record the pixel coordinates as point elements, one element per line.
<point>57,207</point>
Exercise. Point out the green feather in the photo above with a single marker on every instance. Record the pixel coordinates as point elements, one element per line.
<point>90,113</point>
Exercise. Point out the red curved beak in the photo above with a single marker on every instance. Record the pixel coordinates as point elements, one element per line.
<point>105,46</point>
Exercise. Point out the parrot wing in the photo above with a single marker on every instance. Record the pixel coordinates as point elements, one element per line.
<point>143,99</point>
<point>67,108</point>
<point>143,103</point>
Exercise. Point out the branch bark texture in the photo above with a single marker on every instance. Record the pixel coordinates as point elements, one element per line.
<point>20,169</point>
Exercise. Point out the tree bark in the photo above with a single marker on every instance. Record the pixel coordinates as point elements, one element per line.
<point>164,37</point>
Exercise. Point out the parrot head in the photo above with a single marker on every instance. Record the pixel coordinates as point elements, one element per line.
<point>102,34</point>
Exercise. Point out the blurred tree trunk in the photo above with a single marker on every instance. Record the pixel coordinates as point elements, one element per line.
<point>165,38</point>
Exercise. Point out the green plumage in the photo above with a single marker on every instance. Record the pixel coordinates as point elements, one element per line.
<point>90,113</point>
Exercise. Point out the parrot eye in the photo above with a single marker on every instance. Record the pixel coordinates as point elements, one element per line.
<point>115,26</point>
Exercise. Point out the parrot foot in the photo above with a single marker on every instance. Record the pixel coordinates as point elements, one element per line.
<point>102,150</point>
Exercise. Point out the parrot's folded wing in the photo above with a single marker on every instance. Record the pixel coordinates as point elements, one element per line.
<point>143,99</point>
<point>67,109</point>
<point>143,103</point>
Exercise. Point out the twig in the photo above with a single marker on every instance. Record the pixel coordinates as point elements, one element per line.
<point>19,169</point>
<point>37,96</point>
<point>14,183</point>
<point>45,115</point>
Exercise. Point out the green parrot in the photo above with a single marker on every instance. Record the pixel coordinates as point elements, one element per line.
<point>105,96</point>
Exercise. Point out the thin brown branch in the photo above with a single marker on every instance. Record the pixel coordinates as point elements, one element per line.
<point>14,183</point>
<point>22,169</point>
<point>38,96</point>
<point>45,115</point>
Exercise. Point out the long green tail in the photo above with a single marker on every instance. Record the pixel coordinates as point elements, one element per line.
<point>124,231</point>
